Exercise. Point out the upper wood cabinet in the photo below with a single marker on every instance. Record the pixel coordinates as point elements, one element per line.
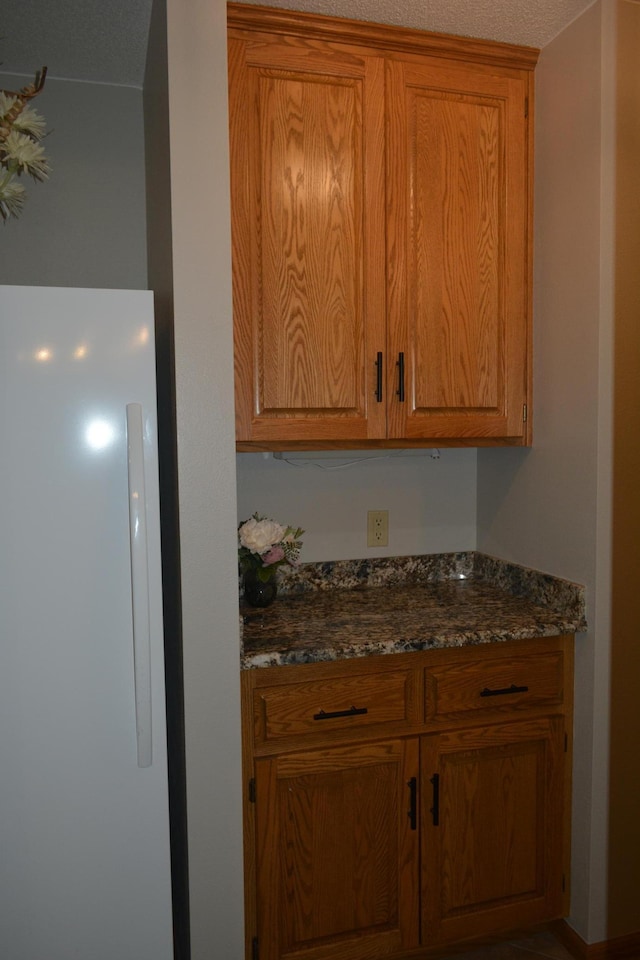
<point>381,206</point>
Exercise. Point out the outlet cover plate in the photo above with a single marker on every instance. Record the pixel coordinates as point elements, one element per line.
<point>377,528</point>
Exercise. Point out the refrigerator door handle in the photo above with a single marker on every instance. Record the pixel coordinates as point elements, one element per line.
<point>139,583</point>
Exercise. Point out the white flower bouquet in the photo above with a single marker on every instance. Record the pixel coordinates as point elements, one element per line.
<point>264,545</point>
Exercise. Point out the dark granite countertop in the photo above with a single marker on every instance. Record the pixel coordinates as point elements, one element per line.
<point>364,608</point>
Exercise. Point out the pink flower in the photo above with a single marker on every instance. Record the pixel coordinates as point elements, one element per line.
<point>272,556</point>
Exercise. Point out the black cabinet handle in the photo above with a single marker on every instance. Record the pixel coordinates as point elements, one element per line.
<point>400,366</point>
<point>413,803</point>
<point>351,712</point>
<point>379,377</point>
<point>435,809</point>
<point>487,692</point>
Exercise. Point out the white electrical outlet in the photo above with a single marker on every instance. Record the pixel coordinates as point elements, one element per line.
<point>377,528</point>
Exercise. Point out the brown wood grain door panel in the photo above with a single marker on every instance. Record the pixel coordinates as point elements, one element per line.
<point>493,853</point>
<point>307,177</point>
<point>338,859</point>
<point>457,239</point>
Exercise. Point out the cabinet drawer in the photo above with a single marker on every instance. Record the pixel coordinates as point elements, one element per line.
<point>497,684</point>
<point>340,703</point>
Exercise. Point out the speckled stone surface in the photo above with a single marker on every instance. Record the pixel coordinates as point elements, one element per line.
<point>359,608</point>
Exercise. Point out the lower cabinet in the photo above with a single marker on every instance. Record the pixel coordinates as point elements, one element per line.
<point>338,855</point>
<point>387,824</point>
<point>492,828</point>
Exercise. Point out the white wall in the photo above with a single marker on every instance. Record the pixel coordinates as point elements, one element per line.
<point>549,507</point>
<point>431,503</point>
<point>196,34</point>
<point>85,226</point>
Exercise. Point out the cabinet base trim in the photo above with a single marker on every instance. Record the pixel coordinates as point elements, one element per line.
<point>620,948</point>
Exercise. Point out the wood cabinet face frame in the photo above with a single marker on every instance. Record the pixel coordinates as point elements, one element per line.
<point>518,756</point>
<point>344,279</point>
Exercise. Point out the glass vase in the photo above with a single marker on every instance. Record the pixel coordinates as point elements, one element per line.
<point>257,592</point>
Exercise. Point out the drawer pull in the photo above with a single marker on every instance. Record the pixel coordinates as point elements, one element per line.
<point>503,690</point>
<point>413,803</point>
<point>435,809</point>
<point>351,712</point>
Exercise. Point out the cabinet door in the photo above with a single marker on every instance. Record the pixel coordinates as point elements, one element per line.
<point>337,852</point>
<point>307,182</point>
<point>458,252</point>
<point>493,802</point>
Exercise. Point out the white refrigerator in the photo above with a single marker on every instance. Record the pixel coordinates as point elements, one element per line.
<point>84,822</point>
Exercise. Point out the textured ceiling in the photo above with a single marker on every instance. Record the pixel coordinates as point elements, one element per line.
<point>530,22</point>
<point>105,40</point>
